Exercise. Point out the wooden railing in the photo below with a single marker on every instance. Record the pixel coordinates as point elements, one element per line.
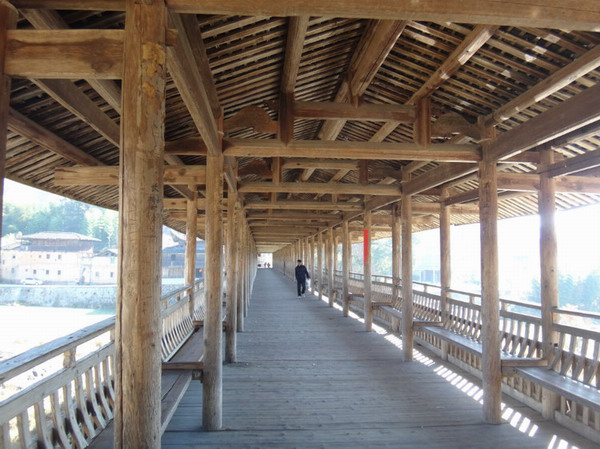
<point>576,353</point>
<point>69,406</point>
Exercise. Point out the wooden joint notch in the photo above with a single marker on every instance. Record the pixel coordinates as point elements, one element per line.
<point>510,366</point>
<point>420,324</point>
<point>183,366</point>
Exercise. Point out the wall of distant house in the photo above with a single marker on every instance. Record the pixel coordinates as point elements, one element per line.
<point>48,266</point>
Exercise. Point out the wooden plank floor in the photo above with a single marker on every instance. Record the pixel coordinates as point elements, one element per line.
<point>309,378</point>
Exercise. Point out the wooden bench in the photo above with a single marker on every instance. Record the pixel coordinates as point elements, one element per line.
<point>395,313</point>
<point>509,362</point>
<point>563,385</point>
<point>177,374</point>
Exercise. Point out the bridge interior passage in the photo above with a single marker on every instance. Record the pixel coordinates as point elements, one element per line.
<point>306,377</point>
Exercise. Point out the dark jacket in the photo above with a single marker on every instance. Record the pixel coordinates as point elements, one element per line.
<point>301,273</point>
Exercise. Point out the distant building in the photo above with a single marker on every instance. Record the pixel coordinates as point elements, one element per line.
<point>52,257</point>
<point>103,268</point>
<point>173,256</point>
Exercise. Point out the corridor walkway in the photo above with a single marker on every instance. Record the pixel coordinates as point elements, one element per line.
<point>309,378</point>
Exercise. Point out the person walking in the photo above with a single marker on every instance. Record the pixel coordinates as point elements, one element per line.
<point>301,276</point>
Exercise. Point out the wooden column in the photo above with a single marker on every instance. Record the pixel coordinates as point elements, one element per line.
<point>396,258</point>
<point>490,333</point>
<point>138,326</point>
<point>445,264</point>
<point>8,20</point>
<point>232,280</point>
<point>320,263</point>
<point>191,233</point>
<point>330,265</point>
<point>407,290</point>
<point>367,282</point>
<point>549,273</point>
<point>346,255</point>
<point>240,269</point>
<point>212,383</point>
<point>311,259</point>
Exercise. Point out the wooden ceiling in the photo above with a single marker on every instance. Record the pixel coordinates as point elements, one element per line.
<point>327,111</point>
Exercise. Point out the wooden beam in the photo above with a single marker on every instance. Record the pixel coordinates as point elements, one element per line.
<point>191,233</point>
<point>311,110</point>
<point>574,113</point>
<point>183,67</point>
<point>378,40</point>
<point>574,164</point>
<point>434,209</point>
<point>459,57</point>
<point>325,218</point>
<point>351,150</point>
<point>314,187</point>
<point>138,325</point>
<point>51,20</point>
<point>182,204</point>
<point>445,264</point>
<point>8,21</point>
<point>65,54</point>
<point>190,146</point>
<point>231,248</point>
<point>322,164</point>
<point>581,15</point>
<point>563,184</point>
<point>302,205</point>
<point>79,104</point>
<point>293,51</point>
<point>561,78</point>
<point>407,287</point>
<point>346,263</point>
<point>436,176</point>
<point>23,126</point>
<point>109,175</point>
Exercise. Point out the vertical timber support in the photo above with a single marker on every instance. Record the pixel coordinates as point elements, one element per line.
<point>396,259</point>
<point>548,273</point>
<point>191,232</point>
<point>367,281</point>
<point>241,254</point>
<point>490,330</point>
<point>330,265</point>
<point>311,260</point>
<point>445,265</point>
<point>320,264</point>
<point>8,20</point>
<point>212,397</point>
<point>138,328</point>
<point>232,279</point>
<point>346,255</point>
<point>407,290</point>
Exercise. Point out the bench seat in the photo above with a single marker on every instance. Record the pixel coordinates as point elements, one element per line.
<point>563,385</point>
<point>391,311</point>
<point>176,377</point>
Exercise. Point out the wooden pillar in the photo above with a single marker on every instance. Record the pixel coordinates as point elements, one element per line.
<point>320,263</point>
<point>191,233</point>
<point>548,273</point>
<point>396,258</point>
<point>311,259</point>
<point>240,278</point>
<point>138,325</point>
<point>346,256</point>
<point>212,383</point>
<point>330,265</point>
<point>232,280</point>
<point>490,333</point>
<point>367,282</point>
<point>407,289</point>
<point>8,20</point>
<point>445,265</point>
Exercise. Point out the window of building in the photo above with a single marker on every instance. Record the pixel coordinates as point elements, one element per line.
<point>47,256</point>
<point>97,274</point>
<point>34,271</point>
<point>47,271</point>
<point>112,275</point>
<point>173,256</point>
<point>59,272</point>
<point>12,270</point>
<point>59,256</point>
<point>14,256</point>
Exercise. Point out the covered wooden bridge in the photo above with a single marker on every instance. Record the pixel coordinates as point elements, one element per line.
<point>297,127</point>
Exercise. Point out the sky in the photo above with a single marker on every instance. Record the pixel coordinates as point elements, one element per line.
<point>25,195</point>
